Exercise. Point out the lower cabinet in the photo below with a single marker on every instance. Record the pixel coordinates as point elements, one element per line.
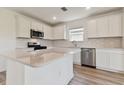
<point>117,61</point>
<point>102,59</point>
<point>77,58</point>
<point>110,60</point>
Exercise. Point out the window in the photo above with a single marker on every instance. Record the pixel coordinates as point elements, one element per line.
<point>76,34</point>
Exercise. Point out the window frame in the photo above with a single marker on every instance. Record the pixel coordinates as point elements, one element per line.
<point>76,31</point>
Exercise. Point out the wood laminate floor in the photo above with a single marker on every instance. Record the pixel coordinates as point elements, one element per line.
<point>92,76</point>
<point>88,76</point>
<point>2,78</point>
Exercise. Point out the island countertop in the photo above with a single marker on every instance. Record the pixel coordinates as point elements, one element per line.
<point>34,58</point>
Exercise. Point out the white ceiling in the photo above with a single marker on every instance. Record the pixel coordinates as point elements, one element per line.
<point>46,13</point>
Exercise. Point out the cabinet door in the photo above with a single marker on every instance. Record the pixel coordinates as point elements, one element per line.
<point>91,27</point>
<point>33,25</point>
<point>47,32</point>
<point>117,61</point>
<point>102,27</point>
<point>36,25</point>
<point>115,25</point>
<point>59,32</point>
<point>102,59</point>
<point>77,58</point>
<point>39,26</point>
<point>23,27</point>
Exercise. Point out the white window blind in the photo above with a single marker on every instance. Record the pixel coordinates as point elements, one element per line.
<point>76,34</point>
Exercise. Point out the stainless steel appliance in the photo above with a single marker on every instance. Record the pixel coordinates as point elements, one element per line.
<point>36,46</point>
<point>36,34</point>
<point>88,57</point>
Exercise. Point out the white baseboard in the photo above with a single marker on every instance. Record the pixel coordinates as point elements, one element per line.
<point>111,70</point>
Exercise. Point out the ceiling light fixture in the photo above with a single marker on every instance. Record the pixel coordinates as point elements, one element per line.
<point>54,18</point>
<point>88,8</point>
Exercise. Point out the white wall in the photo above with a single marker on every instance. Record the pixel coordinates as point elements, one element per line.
<point>7,34</point>
<point>7,30</point>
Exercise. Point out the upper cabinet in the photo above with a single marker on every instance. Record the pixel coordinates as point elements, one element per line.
<point>59,32</point>
<point>102,27</point>
<point>105,26</point>
<point>47,32</point>
<point>115,25</point>
<point>35,25</point>
<point>91,27</point>
<point>23,26</point>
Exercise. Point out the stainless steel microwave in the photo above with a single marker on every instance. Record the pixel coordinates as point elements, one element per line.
<point>36,34</point>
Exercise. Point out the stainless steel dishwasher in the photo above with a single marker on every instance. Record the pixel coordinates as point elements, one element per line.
<point>88,57</point>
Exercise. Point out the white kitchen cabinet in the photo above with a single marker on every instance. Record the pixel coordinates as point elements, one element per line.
<point>102,26</point>
<point>102,59</point>
<point>48,33</point>
<point>23,26</point>
<point>59,32</point>
<point>111,60</point>
<point>117,61</point>
<point>36,25</point>
<point>92,32</point>
<point>77,58</point>
<point>105,26</point>
<point>115,26</point>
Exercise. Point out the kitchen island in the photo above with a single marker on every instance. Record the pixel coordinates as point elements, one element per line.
<point>44,67</point>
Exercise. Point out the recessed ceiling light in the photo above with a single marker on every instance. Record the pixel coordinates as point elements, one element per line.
<point>88,8</point>
<point>54,18</point>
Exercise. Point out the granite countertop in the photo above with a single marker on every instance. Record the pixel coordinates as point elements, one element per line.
<point>35,58</point>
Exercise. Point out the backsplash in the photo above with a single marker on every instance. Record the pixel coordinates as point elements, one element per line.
<point>95,43</point>
<point>22,43</point>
